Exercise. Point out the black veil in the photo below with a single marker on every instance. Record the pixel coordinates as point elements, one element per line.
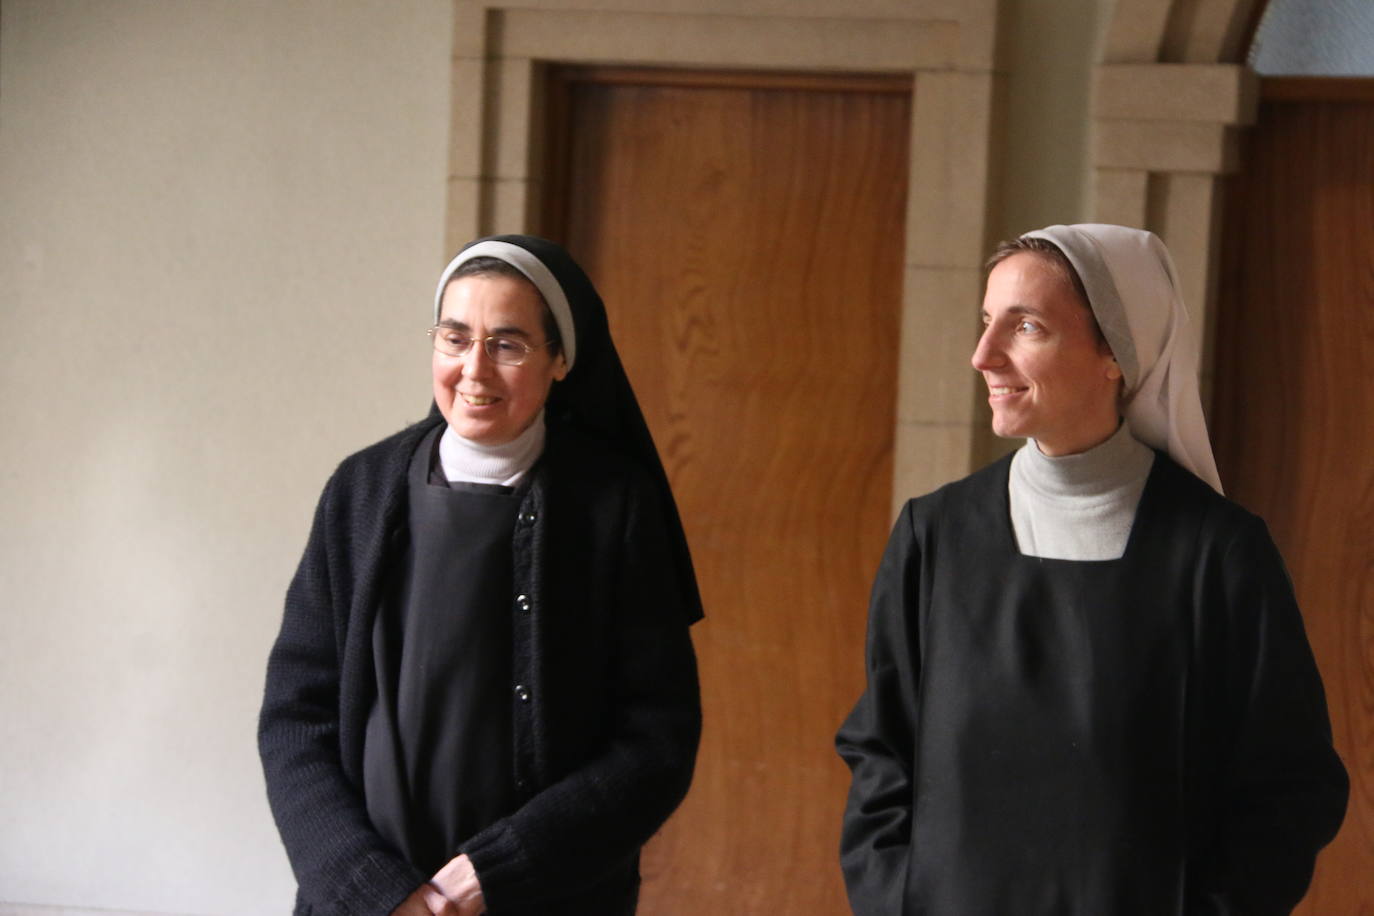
<point>596,399</point>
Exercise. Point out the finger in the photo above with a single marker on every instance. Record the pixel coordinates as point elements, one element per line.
<point>438,904</point>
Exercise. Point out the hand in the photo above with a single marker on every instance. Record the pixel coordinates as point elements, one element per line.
<point>415,904</point>
<point>455,891</point>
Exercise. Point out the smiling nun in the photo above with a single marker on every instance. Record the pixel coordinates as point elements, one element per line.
<point>483,697</point>
<point>1089,687</point>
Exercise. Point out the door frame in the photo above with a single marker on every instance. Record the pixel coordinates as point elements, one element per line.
<point>950,50</point>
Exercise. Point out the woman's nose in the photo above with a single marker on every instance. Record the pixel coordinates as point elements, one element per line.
<point>476,362</point>
<point>987,354</point>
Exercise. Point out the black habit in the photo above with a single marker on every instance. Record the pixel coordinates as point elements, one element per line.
<point>1146,735</point>
<point>505,676</point>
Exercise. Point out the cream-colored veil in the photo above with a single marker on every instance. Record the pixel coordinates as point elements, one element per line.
<point>1134,293</point>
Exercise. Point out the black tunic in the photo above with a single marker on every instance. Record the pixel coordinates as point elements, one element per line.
<point>438,757</point>
<point>1142,735</point>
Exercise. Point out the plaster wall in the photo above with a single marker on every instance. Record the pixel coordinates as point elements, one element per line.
<point>219,230</point>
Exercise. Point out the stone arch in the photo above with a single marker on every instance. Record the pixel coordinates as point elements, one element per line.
<point>1172,93</point>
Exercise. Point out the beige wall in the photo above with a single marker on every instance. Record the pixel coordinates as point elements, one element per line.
<point>219,223</point>
<point>1046,162</point>
<point>220,227</point>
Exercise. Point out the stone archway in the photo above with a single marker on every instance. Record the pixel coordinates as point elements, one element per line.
<point>1171,95</point>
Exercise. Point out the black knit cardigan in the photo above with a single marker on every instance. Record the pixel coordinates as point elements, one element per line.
<point>605,700</point>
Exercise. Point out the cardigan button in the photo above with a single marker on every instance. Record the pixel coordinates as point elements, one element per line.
<point>522,693</point>
<point>527,518</point>
<point>523,602</point>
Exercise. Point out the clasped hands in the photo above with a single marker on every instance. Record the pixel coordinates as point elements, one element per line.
<point>453,891</point>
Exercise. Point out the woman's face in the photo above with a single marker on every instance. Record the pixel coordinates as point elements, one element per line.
<point>1048,374</point>
<point>482,400</point>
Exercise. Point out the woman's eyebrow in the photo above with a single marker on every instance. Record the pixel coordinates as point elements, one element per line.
<point>1016,310</point>
<point>503,331</point>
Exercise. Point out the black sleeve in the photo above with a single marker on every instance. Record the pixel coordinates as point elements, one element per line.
<point>575,832</point>
<point>340,861</point>
<point>877,739</point>
<point>1283,786</point>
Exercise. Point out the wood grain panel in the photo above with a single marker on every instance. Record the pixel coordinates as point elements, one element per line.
<point>1294,414</point>
<point>748,242</point>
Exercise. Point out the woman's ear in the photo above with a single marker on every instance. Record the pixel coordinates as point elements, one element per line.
<point>1113,370</point>
<point>560,367</point>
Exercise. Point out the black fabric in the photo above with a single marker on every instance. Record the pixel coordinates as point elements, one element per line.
<point>596,398</point>
<point>605,744</point>
<point>438,756</point>
<point>1145,735</point>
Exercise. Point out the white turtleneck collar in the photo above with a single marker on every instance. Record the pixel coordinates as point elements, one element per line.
<point>1078,507</point>
<point>505,464</point>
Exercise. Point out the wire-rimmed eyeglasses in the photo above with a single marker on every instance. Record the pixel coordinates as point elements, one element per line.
<point>508,351</point>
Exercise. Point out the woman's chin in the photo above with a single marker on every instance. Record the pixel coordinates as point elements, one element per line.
<point>483,430</point>
<point>1008,428</point>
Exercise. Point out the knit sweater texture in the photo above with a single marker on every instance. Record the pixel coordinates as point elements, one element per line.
<point>607,717</point>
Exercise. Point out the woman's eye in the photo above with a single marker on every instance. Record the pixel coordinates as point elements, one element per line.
<point>505,345</point>
<point>1027,327</point>
<point>457,341</point>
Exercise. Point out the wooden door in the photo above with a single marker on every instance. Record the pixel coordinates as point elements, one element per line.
<point>1293,414</point>
<point>746,231</point>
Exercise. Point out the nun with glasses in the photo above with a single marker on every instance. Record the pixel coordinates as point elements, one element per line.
<point>483,697</point>
<point>1089,689</point>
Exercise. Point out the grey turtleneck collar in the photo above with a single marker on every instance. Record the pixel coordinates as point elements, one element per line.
<point>505,464</point>
<point>1078,507</point>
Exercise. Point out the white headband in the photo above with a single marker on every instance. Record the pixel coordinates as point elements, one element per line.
<point>534,271</point>
<point>1133,290</point>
